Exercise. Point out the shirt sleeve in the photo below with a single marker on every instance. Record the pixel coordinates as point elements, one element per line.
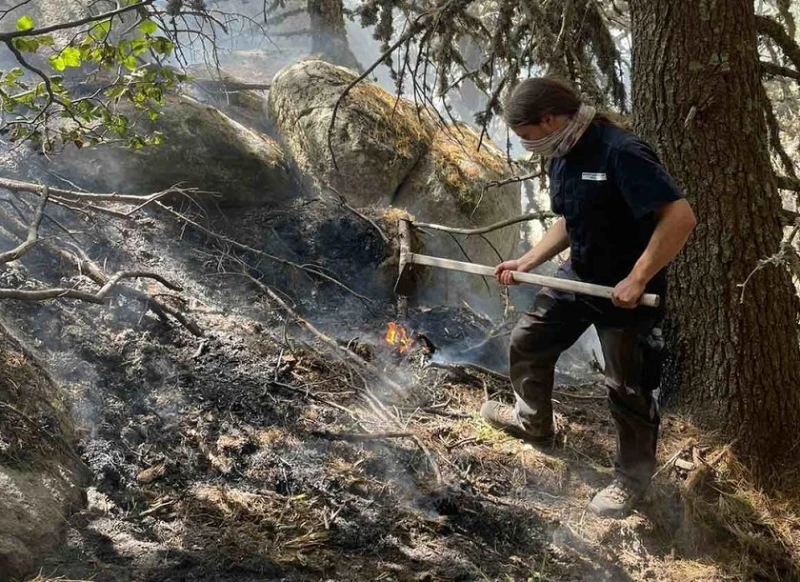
<point>642,179</point>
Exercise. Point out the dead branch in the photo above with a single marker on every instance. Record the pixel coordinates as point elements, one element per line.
<point>461,366</point>
<point>98,297</point>
<point>485,229</point>
<point>359,437</point>
<point>773,70</point>
<point>362,216</point>
<point>511,180</point>
<point>311,396</point>
<point>353,357</point>
<point>33,232</point>
<point>86,266</point>
<point>73,196</point>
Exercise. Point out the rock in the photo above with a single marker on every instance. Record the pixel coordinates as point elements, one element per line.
<point>203,148</point>
<point>40,484</point>
<point>389,155</point>
<point>377,141</point>
<point>33,506</point>
<point>446,188</point>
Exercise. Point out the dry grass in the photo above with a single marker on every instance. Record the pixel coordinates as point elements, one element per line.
<point>264,526</point>
<point>393,121</point>
<point>729,529</point>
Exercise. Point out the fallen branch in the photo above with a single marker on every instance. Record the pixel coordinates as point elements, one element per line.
<point>358,437</point>
<point>485,229</point>
<point>74,196</point>
<point>33,232</point>
<point>86,266</point>
<point>99,297</point>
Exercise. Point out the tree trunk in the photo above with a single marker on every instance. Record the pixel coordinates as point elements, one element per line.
<point>328,33</point>
<point>735,360</point>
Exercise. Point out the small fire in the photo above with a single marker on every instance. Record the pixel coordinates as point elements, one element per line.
<point>396,335</point>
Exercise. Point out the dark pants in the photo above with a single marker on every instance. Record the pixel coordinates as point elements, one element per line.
<point>632,346</point>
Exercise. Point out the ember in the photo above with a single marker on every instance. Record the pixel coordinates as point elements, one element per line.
<point>396,335</point>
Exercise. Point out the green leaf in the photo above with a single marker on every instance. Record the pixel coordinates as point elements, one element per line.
<point>25,23</point>
<point>148,27</point>
<point>58,63</point>
<point>129,62</point>
<point>71,56</point>
<point>26,45</point>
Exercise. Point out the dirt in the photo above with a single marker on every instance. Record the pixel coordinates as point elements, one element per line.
<point>246,454</point>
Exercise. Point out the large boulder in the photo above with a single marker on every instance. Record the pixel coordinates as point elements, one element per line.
<point>40,481</point>
<point>376,142</point>
<point>202,148</point>
<point>389,153</point>
<point>448,187</point>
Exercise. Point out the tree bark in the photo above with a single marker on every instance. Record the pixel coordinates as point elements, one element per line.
<point>328,33</point>
<point>734,358</point>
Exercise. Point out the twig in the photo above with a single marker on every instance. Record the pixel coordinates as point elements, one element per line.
<point>358,437</point>
<point>485,229</point>
<point>344,203</point>
<point>74,196</point>
<point>33,232</point>
<point>312,396</point>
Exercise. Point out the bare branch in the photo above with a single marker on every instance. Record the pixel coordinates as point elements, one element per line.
<point>9,36</point>
<point>788,183</point>
<point>774,70</point>
<point>485,229</point>
<point>773,29</point>
<point>71,195</point>
<point>33,233</point>
<point>99,297</point>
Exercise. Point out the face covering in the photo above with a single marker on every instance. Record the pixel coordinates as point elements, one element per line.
<point>560,142</point>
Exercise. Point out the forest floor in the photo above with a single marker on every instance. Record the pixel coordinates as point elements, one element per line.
<point>257,452</point>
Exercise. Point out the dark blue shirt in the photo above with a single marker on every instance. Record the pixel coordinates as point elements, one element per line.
<point>608,188</point>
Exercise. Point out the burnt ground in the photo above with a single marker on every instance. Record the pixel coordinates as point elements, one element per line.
<point>256,452</point>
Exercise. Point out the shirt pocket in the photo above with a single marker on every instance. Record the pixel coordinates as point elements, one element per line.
<point>584,194</point>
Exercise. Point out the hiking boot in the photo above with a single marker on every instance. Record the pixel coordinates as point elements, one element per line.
<point>504,417</point>
<point>617,499</point>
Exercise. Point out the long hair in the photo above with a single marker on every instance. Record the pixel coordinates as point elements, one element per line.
<point>534,98</point>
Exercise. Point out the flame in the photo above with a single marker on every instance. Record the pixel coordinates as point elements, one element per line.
<point>396,335</point>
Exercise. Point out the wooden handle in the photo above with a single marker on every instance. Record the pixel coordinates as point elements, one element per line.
<point>648,299</point>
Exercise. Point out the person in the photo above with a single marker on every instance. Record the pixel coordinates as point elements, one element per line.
<point>623,219</point>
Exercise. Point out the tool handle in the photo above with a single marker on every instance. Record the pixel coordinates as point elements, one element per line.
<point>648,299</point>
